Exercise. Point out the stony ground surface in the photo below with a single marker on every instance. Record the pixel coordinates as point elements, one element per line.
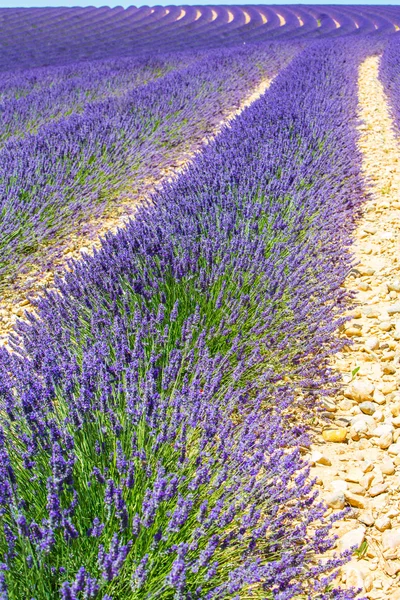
<point>15,301</point>
<point>357,458</point>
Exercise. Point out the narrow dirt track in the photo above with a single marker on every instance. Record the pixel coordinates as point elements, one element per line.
<point>361,469</point>
<point>15,302</point>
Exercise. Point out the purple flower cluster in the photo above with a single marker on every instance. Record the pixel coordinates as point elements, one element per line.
<point>148,447</point>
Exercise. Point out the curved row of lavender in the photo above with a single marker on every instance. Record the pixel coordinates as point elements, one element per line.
<point>147,444</point>
<point>389,71</point>
<point>34,37</point>
<point>79,164</point>
<point>36,96</point>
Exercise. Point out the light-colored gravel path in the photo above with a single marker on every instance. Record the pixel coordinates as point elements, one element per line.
<point>15,300</point>
<point>362,468</point>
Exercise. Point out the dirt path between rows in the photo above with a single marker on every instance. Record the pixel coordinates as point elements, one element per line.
<point>16,301</point>
<point>357,459</point>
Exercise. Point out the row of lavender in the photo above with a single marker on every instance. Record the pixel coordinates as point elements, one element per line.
<point>32,37</point>
<point>147,443</point>
<point>31,98</point>
<point>78,165</point>
<point>389,70</point>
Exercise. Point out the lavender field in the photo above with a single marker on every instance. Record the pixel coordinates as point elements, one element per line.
<point>160,391</point>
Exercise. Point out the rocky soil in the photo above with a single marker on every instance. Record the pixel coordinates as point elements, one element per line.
<point>16,301</point>
<point>357,458</point>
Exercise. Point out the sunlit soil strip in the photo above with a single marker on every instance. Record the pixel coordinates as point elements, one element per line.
<point>396,27</point>
<point>214,15</point>
<point>263,18</point>
<point>198,15</point>
<point>369,365</point>
<point>281,20</point>
<point>357,25</point>
<point>337,24</point>
<point>15,304</point>
<point>230,16</point>
<point>301,22</point>
<point>181,14</point>
<point>246,17</point>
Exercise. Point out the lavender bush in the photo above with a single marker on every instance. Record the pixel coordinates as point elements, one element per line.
<point>148,442</point>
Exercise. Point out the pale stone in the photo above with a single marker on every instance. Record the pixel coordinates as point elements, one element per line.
<point>356,488</point>
<point>383,430</point>
<point>383,523</point>
<point>366,480</point>
<point>368,408</point>
<point>359,429</point>
<point>335,435</point>
<point>360,391</point>
<point>394,309</point>
<point>368,582</point>
<point>354,475</point>
<point>351,539</point>
<point>379,398</point>
<point>394,285</point>
<point>392,567</point>
<point>387,467</point>
<point>353,332</point>
<point>378,477</point>
<point>388,387</point>
<point>366,518</point>
<point>319,459</point>
<point>328,404</point>
<point>367,466</point>
<point>394,449</point>
<point>345,404</point>
<point>393,512</point>
<point>386,326</point>
<point>378,489</point>
<point>354,578</point>
<point>395,409</point>
<point>339,485</point>
<point>364,418</point>
<point>372,343</point>
<point>385,441</point>
<point>336,500</point>
<point>355,500</point>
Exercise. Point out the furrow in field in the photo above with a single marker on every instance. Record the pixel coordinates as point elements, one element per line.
<point>17,301</point>
<point>357,460</point>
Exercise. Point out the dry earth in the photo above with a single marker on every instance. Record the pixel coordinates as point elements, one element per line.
<point>15,300</point>
<point>357,459</point>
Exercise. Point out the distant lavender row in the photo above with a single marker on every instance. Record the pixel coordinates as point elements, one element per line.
<point>389,70</point>
<point>38,37</point>
<point>145,451</point>
<point>74,168</point>
<point>32,98</point>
